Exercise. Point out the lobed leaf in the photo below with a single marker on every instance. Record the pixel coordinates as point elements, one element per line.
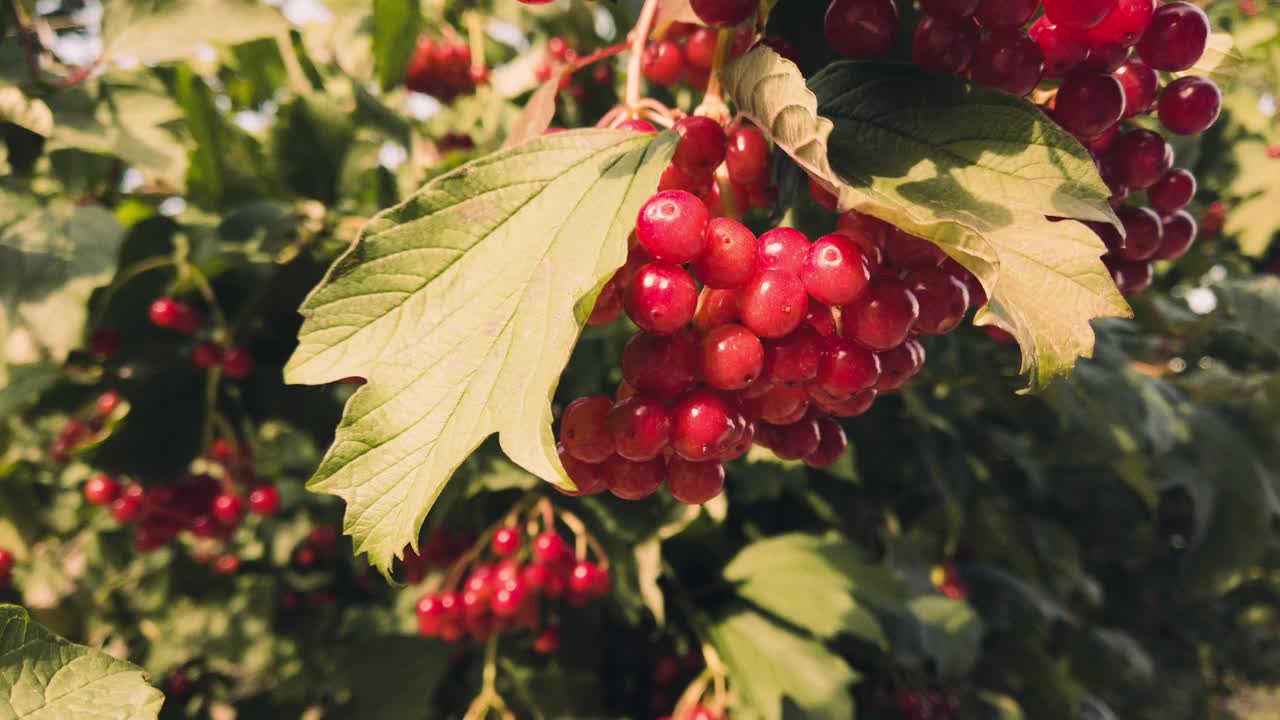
<point>461,306</point>
<point>973,170</point>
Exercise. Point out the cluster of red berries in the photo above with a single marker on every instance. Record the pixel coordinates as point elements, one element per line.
<point>439,550</point>
<point>705,150</point>
<point>686,54</point>
<point>560,55</point>
<point>783,335</point>
<point>7,561</point>
<point>519,587</point>
<point>443,69</point>
<point>76,432</point>
<point>925,704</point>
<point>203,505</point>
<point>171,314</point>
<point>1106,57</point>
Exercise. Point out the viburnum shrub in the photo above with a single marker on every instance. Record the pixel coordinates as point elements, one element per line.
<point>414,360</point>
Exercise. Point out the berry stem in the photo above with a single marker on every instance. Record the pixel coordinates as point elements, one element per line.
<point>483,541</point>
<point>584,539</point>
<point>713,105</point>
<point>123,278</point>
<point>475,38</point>
<point>639,35</point>
<point>488,699</point>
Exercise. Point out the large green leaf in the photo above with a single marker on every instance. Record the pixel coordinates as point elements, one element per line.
<point>227,166</point>
<point>1255,305</point>
<point>950,632</point>
<point>769,666</point>
<point>44,677</point>
<point>821,584</point>
<point>165,30</point>
<point>460,306</point>
<point>52,256</point>
<point>396,24</point>
<point>972,169</point>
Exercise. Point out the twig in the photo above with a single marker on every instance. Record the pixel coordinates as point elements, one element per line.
<point>30,50</point>
<point>713,105</point>
<point>639,35</point>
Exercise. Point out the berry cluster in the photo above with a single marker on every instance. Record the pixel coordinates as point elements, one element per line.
<point>741,157</point>
<point>686,54</point>
<point>7,561</point>
<point>925,704</point>
<point>439,550</point>
<point>78,431</point>
<point>560,55</point>
<point>783,335</point>
<point>206,506</point>
<point>518,586</point>
<point>443,69</point>
<point>1104,59</point>
<point>235,362</point>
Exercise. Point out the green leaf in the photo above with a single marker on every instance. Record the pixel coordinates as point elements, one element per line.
<point>461,306</point>
<point>226,165</point>
<point>950,632</point>
<point>1254,193</point>
<point>396,24</point>
<point>44,677</point>
<point>32,114</point>
<point>1255,305</point>
<point>310,141</point>
<point>52,256</point>
<point>164,30</point>
<point>1000,707</point>
<point>389,676</point>
<point>23,385</point>
<point>820,584</point>
<point>768,663</point>
<point>973,170</point>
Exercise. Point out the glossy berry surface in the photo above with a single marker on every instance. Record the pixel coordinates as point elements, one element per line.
<point>943,300</point>
<point>640,428</point>
<point>723,13</point>
<point>1078,14</point>
<point>672,226</point>
<point>1125,24</point>
<point>1142,233</point>
<point>663,63</point>
<point>264,500</point>
<point>1010,61</point>
<point>701,147</point>
<point>732,357</point>
<point>664,366</point>
<point>1190,105</point>
<point>861,28</point>
<point>635,480</point>
<point>945,44</point>
<point>1088,104</point>
<point>773,303</point>
<point>1178,233</point>
<point>747,156</point>
<point>227,508</point>
<point>588,478</point>
<point>728,256</point>
<point>1063,48</point>
<point>782,249</point>
<point>101,489</point>
<point>1141,84</point>
<point>662,298</point>
<point>1003,14</point>
<point>703,426</point>
<point>835,270</point>
<point>1176,37</point>
<point>883,316</point>
<point>694,483</point>
<point>847,368</point>
<point>1173,191</point>
<point>582,429</point>
<point>1140,158</point>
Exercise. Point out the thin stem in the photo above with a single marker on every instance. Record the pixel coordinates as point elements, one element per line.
<point>580,531</point>
<point>482,542</point>
<point>639,35</point>
<point>475,38</point>
<point>132,272</point>
<point>206,291</point>
<point>713,105</point>
<point>28,39</point>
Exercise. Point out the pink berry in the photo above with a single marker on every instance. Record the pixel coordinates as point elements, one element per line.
<point>728,256</point>
<point>794,358</point>
<point>1064,48</point>
<point>943,300</point>
<point>1173,191</point>
<point>723,13</point>
<point>782,249</point>
<point>1142,233</point>
<point>747,156</point>
<point>702,145</point>
<point>1088,104</point>
<point>672,226</point>
<point>847,368</point>
<point>1010,61</point>
<point>836,270</point>
<point>1178,233</point>
<point>589,478</point>
<point>1125,24</point>
<point>1141,84</point>
<point>662,298</point>
<point>661,365</point>
<point>773,303</point>
<point>945,44</point>
<point>732,357</point>
<point>831,444</point>
<point>900,364</point>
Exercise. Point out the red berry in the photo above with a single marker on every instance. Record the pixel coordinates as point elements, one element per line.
<point>1125,24</point>
<point>1080,14</point>
<point>861,28</point>
<point>700,48</point>
<point>590,478</point>
<point>1176,37</point>
<point>634,480</point>
<point>1190,105</point>
<point>1088,104</point>
<point>1178,234</point>
<point>1140,158</point>
<point>640,428</point>
<point>715,308</point>
<point>206,354</point>
<point>783,405</point>
<point>782,249</point>
<point>1143,233</point>
<point>822,196</point>
<point>550,548</point>
<point>1173,191</point>
<point>797,440</point>
<point>943,300</point>
<point>703,425</point>
<point>264,500</point>
<point>702,145</point>
<point>661,365</point>
<point>662,298</point>
<point>1063,48</point>
<point>226,564</point>
<point>672,226</point>
<point>165,312</point>
<point>127,507</point>
<point>583,431</point>
<point>773,303</point>
<point>548,641</point>
<point>835,270</point>
<point>237,363</point>
<point>900,364</point>
<point>883,316</point>
<point>847,368</point>
<point>945,44</point>
<point>107,403</point>
<point>794,359</point>
<point>588,579</point>
<point>728,255</point>
<point>104,343</point>
<point>663,63</point>
<point>694,483</point>
<point>1104,57</point>
<point>831,445</point>
<point>1010,61</point>
<point>953,8</point>
<point>1001,14</point>
<point>431,615</point>
<point>227,509</point>
<point>906,251</point>
<point>1131,276</point>
<point>638,125</point>
<point>1141,84</point>
<point>723,13</point>
<point>747,156</point>
<point>508,599</point>
<point>101,489</point>
<point>732,357</point>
